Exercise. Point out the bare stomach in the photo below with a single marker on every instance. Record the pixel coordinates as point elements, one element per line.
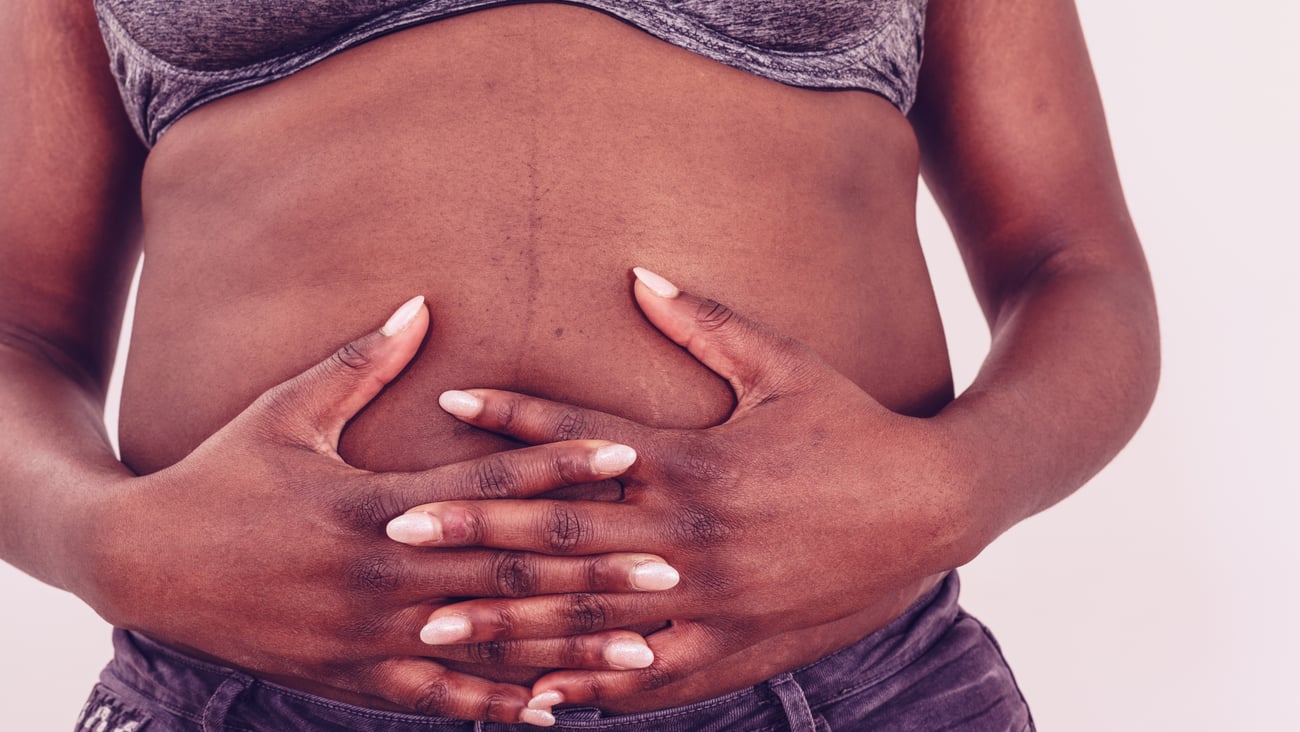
<point>512,165</point>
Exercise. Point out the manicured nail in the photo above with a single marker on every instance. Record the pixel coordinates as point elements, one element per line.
<point>537,717</point>
<point>652,576</point>
<point>612,459</point>
<point>398,321</point>
<point>546,700</point>
<point>415,528</point>
<point>445,631</point>
<point>628,654</point>
<point>460,403</point>
<point>658,285</point>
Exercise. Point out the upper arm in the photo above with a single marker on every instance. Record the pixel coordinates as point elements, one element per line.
<point>1014,144</point>
<point>69,192</point>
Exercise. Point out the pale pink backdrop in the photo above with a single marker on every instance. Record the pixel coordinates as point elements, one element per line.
<point>1162,596</point>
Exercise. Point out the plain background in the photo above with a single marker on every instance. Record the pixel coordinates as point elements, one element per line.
<point>1162,596</point>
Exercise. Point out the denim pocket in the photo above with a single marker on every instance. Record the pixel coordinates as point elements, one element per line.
<point>104,712</point>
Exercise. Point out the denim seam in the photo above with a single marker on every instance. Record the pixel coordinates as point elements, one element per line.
<point>317,701</point>
<point>380,714</point>
<point>884,671</point>
<point>217,709</point>
<point>817,718</point>
<point>352,709</point>
<point>193,663</point>
<point>666,714</point>
<point>892,664</point>
<point>1029,726</point>
<point>183,659</point>
<point>154,700</point>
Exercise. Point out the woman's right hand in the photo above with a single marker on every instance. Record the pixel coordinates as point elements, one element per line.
<point>265,550</point>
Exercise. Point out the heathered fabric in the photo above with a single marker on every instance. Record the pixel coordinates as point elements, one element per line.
<point>170,56</point>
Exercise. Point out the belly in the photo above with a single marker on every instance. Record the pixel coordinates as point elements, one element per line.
<point>512,165</point>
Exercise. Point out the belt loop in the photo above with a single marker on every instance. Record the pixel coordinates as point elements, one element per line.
<point>218,706</point>
<point>793,701</point>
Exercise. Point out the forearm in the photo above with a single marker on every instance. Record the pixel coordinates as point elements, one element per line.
<point>55,460</point>
<point>1070,375</point>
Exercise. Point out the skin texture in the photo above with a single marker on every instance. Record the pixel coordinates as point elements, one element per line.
<point>793,206</point>
<point>519,219</point>
<point>723,521</point>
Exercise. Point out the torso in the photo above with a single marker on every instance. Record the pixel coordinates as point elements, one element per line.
<point>512,165</point>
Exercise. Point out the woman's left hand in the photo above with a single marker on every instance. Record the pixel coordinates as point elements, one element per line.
<point>810,504</point>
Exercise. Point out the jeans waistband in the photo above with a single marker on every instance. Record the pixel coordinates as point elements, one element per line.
<point>216,698</point>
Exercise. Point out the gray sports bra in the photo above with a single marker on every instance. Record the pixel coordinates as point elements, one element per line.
<point>170,56</point>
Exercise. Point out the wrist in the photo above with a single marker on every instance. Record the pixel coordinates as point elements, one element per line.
<point>100,535</point>
<point>966,519</point>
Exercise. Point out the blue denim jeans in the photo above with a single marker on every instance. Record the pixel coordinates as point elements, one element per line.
<point>933,668</point>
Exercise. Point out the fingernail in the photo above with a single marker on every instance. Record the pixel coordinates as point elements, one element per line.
<point>628,654</point>
<point>652,576</point>
<point>460,403</point>
<point>415,528</point>
<point>446,630</point>
<point>537,717</point>
<point>612,459</point>
<point>398,321</point>
<point>658,285</point>
<point>546,700</point>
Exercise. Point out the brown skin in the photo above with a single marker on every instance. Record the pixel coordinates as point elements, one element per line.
<point>736,529</point>
<point>789,204</point>
<point>1022,167</point>
<point>285,446</point>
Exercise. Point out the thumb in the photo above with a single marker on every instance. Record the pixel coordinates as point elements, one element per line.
<point>758,362</point>
<point>316,404</point>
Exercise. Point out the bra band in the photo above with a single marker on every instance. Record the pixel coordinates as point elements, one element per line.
<point>164,68</point>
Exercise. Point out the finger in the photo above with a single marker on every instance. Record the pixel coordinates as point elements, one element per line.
<point>546,527</point>
<point>534,420</point>
<point>518,473</point>
<point>476,573</point>
<point>428,688</point>
<point>679,651</point>
<point>757,361</point>
<point>315,405</point>
<point>547,616</point>
<point>610,650</point>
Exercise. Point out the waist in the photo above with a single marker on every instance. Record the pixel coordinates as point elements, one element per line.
<point>158,681</point>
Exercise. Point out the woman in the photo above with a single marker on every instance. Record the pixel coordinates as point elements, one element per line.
<point>767,549</point>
